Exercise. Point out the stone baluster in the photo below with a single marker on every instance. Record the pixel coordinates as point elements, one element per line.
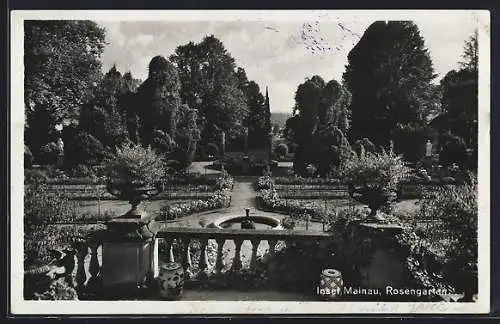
<point>94,267</point>
<point>237,256</point>
<point>272,247</point>
<point>81,276</point>
<point>94,283</point>
<point>255,246</point>
<point>169,248</point>
<point>203,263</point>
<point>186,259</point>
<point>219,263</point>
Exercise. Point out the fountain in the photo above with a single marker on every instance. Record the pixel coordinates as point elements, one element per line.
<point>247,221</point>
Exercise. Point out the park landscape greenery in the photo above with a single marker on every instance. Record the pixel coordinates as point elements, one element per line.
<point>339,134</point>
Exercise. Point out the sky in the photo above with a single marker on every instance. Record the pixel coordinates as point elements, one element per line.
<point>277,53</point>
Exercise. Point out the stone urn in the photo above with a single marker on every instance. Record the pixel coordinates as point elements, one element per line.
<point>374,196</point>
<point>135,194</point>
<point>171,281</point>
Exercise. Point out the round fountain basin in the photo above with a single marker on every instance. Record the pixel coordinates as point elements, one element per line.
<point>229,221</point>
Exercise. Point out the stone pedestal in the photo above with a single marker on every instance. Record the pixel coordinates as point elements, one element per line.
<point>128,264</point>
<point>383,264</point>
<point>129,255</point>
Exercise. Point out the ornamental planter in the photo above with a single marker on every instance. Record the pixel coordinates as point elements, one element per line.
<point>171,281</point>
<point>373,196</point>
<point>135,194</point>
<point>330,284</point>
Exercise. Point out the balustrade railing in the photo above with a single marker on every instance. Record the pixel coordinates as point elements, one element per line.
<point>185,237</point>
<point>80,266</point>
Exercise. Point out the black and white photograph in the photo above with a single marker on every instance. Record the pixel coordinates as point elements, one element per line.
<point>232,162</point>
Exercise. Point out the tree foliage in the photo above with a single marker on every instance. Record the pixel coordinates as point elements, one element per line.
<point>62,67</point>
<point>258,119</point>
<point>460,102</point>
<point>389,74</point>
<point>319,124</point>
<point>209,84</point>
<point>470,56</point>
<point>187,136</point>
<point>103,116</point>
<point>158,100</point>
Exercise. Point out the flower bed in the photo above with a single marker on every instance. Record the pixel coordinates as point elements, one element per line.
<point>315,187</point>
<point>219,199</point>
<point>269,199</point>
<point>306,181</point>
<point>311,194</point>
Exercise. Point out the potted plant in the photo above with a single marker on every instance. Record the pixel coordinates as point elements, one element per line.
<point>134,174</point>
<point>373,179</point>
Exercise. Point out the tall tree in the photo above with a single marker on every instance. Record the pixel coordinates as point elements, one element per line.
<point>209,84</point>
<point>258,118</point>
<point>62,67</point>
<point>320,120</point>
<point>128,106</point>
<point>186,137</point>
<point>389,74</point>
<point>471,54</point>
<point>460,96</point>
<point>158,100</point>
<point>102,116</point>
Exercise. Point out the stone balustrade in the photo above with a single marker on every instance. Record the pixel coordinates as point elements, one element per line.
<point>185,236</point>
<point>137,259</point>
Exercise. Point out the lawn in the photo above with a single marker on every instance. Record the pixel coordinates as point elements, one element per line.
<point>408,207</point>
<point>120,207</point>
